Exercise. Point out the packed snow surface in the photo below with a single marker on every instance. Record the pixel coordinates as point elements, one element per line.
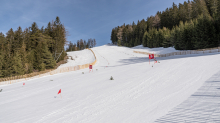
<point>78,58</point>
<point>140,92</point>
<point>203,106</point>
<point>159,50</point>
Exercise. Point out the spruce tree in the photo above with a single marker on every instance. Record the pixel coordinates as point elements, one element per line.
<point>7,66</point>
<point>23,56</point>
<point>1,63</point>
<point>47,57</point>
<point>31,60</point>
<point>17,67</point>
<point>34,28</point>
<point>145,39</point>
<point>2,41</point>
<point>9,41</point>
<point>18,40</point>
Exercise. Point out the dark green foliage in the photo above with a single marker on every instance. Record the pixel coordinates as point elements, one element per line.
<point>43,58</point>
<point>47,58</point>
<point>205,33</point>
<point>1,63</point>
<point>17,67</point>
<point>81,45</point>
<point>23,52</point>
<point>34,28</point>
<point>7,65</point>
<point>191,25</point>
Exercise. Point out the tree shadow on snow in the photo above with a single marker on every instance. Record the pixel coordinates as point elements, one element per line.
<point>199,107</point>
<point>136,60</point>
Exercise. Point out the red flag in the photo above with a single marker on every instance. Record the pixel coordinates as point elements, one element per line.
<point>151,56</point>
<point>90,66</point>
<point>59,91</point>
<point>23,83</point>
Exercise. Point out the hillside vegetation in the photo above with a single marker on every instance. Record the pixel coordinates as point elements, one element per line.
<point>188,26</point>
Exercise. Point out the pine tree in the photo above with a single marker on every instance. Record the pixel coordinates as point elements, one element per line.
<point>23,56</point>
<point>94,41</point>
<point>47,58</point>
<point>156,22</point>
<point>18,40</point>
<point>189,10</point>
<point>9,41</point>
<point>7,66</point>
<point>136,41</point>
<point>2,41</point>
<point>1,63</point>
<point>212,6</point>
<point>26,39</point>
<point>175,18</point>
<point>145,39</point>
<point>17,67</point>
<point>119,42</point>
<point>34,28</point>
<point>31,60</point>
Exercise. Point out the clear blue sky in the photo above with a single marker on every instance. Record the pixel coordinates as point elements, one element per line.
<point>83,19</point>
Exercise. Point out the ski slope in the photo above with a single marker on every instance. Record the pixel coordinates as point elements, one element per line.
<point>78,58</point>
<point>139,93</point>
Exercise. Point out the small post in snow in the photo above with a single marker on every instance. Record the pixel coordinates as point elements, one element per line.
<point>59,92</point>
<point>90,68</point>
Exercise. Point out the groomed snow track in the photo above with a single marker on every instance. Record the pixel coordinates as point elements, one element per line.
<point>139,93</point>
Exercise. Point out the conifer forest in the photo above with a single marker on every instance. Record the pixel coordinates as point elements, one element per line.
<point>188,26</point>
<point>32,49</point>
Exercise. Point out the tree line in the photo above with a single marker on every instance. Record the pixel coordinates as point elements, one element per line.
<point>32,49</point>
<point>191,25</point>
<point>81,45</point>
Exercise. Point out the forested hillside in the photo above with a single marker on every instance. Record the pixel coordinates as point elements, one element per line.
<point>81,45</point>
<point>31,49</point>
<point>191,25</point>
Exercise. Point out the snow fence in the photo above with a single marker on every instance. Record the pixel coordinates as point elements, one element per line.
<point>200,51</point>
<point>11,80</point>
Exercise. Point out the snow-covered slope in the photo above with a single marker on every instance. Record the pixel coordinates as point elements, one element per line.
<point>139,93</point>
<point>159,50</point>
<point>78,58</point>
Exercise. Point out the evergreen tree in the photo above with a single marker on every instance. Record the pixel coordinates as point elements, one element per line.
<point>34,28</point>
<point>94,41</point>
<point>47,59</point>
<point>212,6</point>
<point>9,41</point>
<point>174,14</point>
<point>26,39</point>
<point>1,62</point>
<point>18,40</point>
<point>2,41</point>
<point>23,56</point>
<point>31,50</point>
<point>145,39</point>
<point>17,67</point>
<point>31,60</point>
<point>7,66</point>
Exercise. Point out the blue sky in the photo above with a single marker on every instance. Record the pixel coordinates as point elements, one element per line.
<point>83,19</point>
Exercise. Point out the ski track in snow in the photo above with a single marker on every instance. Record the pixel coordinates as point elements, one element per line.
<point>139,92</point>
